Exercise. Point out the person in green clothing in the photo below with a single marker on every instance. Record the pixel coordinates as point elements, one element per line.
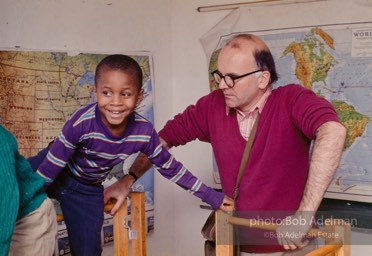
<point>27,216</point>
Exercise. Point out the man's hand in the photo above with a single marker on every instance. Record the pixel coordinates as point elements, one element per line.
<point>292,231</point>
<point>227,204</point>
<point>119,191</point>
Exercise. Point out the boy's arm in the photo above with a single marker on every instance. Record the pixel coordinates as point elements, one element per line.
<point>170,169</point>
<point>176,172</point>
<point>56,159</point>
<point>37,159</point>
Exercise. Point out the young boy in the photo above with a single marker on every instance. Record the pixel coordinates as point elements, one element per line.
<point>97,137</point>
<point>27,216</point>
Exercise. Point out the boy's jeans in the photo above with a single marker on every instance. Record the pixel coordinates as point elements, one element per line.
<point>82,207</point>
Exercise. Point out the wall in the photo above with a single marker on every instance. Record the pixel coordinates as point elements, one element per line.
<point>104,26</point>
<point>170,29</point>
<point>190,81</point>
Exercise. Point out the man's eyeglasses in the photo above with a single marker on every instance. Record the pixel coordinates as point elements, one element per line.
<point>230,79</point>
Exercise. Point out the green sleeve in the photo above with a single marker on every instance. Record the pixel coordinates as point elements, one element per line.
<point>9,201</point>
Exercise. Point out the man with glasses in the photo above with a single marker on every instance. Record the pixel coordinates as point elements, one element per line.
<point>282,182</point>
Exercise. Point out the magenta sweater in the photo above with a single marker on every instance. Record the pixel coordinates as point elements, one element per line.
<point>278,165</point>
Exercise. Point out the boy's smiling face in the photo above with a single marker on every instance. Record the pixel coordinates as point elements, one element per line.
<point>117,95</point>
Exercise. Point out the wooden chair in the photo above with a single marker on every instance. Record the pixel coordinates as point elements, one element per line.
<point>334,228</point>
<point>121,229</point>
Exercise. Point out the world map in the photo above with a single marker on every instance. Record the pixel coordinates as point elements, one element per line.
<point>334,62</point>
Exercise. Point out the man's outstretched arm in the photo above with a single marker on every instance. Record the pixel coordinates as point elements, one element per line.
<point>120,189</point>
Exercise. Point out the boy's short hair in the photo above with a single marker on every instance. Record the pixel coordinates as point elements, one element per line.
<point>120,62</point>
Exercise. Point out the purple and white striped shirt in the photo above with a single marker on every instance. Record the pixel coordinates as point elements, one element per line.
<point>90,150</point>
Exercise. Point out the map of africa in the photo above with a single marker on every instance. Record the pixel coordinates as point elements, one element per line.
<point>336,64</point>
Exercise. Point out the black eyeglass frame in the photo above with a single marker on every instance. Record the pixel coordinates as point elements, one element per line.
<point>216,72</point>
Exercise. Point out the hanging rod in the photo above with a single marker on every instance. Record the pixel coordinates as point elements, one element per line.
<point>222,7</point>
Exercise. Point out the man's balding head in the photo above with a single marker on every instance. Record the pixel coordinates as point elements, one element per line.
<point>251,44</point>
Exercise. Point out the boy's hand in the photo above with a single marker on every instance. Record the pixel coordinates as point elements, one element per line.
<point>119,191</point>
<point>227,204</point>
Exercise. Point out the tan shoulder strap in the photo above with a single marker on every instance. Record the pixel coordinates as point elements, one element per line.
<point>245,156</point>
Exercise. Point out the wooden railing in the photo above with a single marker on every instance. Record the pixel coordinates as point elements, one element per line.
<point>122,233</point>
<point>336,235</point>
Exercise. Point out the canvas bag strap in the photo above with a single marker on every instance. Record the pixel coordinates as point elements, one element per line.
<point>245,157</point>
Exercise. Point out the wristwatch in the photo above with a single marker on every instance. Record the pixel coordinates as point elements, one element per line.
<point>130,173</point>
